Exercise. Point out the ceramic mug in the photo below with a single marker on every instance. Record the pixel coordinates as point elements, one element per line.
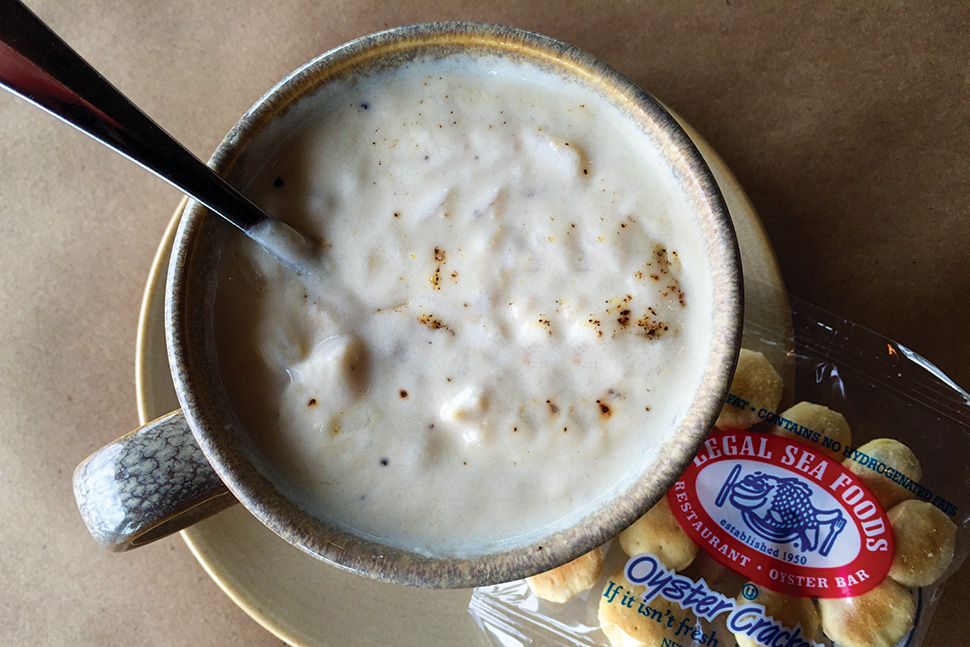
<point>196,461</point>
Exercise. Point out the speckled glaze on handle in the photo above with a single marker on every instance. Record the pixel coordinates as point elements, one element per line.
<point>148,484</point>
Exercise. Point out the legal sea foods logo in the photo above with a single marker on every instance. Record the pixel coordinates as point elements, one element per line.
<point>785,515</point>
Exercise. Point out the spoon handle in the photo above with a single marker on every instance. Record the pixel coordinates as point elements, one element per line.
<point>40,67</point>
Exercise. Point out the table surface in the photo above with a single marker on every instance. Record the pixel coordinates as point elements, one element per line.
<point>847,123</point>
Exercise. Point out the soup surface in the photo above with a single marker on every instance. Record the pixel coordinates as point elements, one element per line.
<point>510,312</point>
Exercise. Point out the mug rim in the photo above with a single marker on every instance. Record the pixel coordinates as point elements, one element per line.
<point>227,451</point>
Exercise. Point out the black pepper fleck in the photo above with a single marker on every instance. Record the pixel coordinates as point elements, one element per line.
<point>432,322</point>
<point>604,408</point>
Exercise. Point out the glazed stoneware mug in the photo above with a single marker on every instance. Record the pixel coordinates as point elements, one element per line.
<point>213,453</point>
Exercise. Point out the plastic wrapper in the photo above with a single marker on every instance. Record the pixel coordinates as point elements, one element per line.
<point>827,508</point>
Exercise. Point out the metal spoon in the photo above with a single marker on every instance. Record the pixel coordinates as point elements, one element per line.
<point>40,67</point>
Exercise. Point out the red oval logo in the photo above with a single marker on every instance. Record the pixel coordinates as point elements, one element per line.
<point>787,517</point>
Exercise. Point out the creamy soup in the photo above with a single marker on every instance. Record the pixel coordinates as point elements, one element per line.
<point>508,315</point>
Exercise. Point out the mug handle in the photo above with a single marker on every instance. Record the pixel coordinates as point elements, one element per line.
<point>147,485</point>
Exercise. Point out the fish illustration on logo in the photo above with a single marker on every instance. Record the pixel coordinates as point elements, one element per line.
<point>780,510</point>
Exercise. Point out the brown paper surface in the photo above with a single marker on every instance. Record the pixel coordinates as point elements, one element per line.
<point>847,123</point>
